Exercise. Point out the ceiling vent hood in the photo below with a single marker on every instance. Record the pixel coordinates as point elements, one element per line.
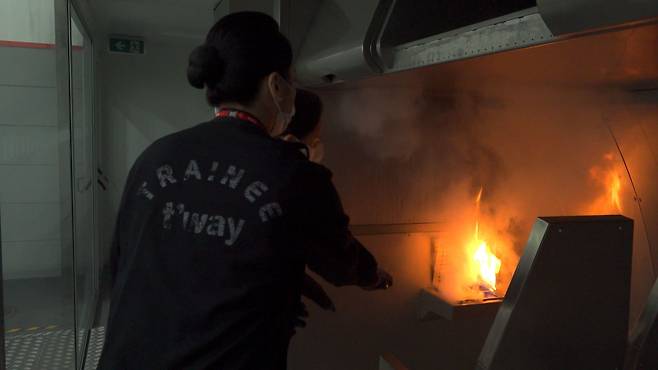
<point>344,40</point>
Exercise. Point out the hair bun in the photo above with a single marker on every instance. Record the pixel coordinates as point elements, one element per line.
<point>205,67</point>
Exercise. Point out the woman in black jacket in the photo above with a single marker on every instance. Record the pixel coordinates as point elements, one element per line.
<point>218,222</point>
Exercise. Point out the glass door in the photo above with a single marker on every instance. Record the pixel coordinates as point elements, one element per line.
<point>35,186</point>
<point>48,239</point>
<point>82,117</point>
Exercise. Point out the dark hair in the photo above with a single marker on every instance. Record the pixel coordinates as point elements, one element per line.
<point>240,50</point>
<point>308,110</point>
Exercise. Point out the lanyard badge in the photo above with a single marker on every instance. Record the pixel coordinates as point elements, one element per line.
<point>244,116</point>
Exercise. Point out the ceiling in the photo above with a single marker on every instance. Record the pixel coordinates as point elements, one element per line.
<point>159,20</point>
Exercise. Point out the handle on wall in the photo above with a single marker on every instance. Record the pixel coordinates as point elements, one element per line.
<point>102,180</point>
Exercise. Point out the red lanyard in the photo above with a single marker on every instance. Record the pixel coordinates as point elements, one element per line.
<point>239,115</point>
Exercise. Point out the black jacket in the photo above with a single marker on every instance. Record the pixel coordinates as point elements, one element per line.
<point>216,226</point>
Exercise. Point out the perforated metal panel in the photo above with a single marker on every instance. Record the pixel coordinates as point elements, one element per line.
<point>45,350</point>
<point>95,348</point>
<point>51,350</point>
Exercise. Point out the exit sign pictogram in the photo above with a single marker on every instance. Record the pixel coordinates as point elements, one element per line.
<point>126,45</point>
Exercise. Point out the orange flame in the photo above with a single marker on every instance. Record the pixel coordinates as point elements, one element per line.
<point>608,177</point>
<point>485,265</point>
<point>471,262</point>
<point>614,187</point>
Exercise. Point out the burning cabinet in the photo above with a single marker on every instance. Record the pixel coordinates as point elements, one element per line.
<point>568,303</point>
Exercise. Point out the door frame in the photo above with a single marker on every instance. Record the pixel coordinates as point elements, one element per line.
<point>65,10</point>
<point>75,11</point>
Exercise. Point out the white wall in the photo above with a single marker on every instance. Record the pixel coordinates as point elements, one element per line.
<point>144,97</point>
<point>31,21</point>
<point>29,156</point>
<point>27,20</point>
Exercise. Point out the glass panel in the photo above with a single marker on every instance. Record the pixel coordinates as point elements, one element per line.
<point>85,246</point>
<point>35,205</point>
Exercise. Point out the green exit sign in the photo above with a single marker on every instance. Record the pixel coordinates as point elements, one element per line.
<point>126,45</point>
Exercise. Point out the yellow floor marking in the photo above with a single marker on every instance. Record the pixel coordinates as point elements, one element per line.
<point>32,328</point>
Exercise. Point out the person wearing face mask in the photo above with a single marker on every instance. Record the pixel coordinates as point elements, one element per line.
<point>304,129</point>
<point>306,126</point>
<point>218,222</point>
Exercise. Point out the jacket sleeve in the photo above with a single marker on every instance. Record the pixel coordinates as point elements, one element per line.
<point>331,249</point>
<point>115,247</point>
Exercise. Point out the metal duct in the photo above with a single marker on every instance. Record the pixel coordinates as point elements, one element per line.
<point>350,40</point>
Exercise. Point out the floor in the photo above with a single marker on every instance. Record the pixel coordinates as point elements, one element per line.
<point>39,326</point>
<point>43,303</point>
<point>51,350</point>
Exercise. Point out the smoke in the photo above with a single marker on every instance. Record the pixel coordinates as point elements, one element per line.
<point>377,117</point>
<point>525,147</point>
<point>410,155</point>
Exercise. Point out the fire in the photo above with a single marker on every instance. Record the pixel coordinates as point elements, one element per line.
<point>608,177</point>
<point>473,262</point>
<point>615,187</point>
<point>489,266</point>
<point>484,264</point>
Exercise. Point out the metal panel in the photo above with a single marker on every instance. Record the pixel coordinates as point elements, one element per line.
<point>643,347</point>
<point>570,16</point>
<point>346,41</point>
<point>514,33</point>
<point>567,306</point>
<point>430,17</point>
<point>351,40</point>
<point>432,305</point>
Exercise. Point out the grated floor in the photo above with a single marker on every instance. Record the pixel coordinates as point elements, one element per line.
<point>96,342</point>
<point>51,350</point>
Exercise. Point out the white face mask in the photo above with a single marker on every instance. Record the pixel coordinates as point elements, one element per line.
<point>282,118</point>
